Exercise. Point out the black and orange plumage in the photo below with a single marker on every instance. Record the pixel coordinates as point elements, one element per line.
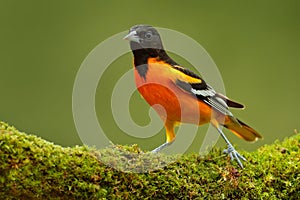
<point>183,96</point>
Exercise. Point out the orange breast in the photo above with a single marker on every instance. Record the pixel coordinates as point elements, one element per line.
<point>159,88</point>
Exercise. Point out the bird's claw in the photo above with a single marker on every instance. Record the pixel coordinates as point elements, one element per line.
<point>234,155</point>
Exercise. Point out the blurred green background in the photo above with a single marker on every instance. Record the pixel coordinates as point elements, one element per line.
<point>255,44</point>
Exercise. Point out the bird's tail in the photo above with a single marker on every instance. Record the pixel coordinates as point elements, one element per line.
<point>241,129</point>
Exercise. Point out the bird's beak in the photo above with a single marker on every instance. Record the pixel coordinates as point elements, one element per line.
<point>132,36</point>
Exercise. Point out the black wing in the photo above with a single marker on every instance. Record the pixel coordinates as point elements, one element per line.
<point>205,93</point>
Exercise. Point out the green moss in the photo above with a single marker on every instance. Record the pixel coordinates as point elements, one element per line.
<point>32,168</point>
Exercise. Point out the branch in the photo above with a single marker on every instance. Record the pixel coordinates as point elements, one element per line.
<point>32,168</point>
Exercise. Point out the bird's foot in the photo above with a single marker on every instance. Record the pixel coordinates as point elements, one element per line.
<point>234,155</point>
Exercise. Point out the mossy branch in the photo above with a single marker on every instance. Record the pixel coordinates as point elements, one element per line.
<point>32,168</point>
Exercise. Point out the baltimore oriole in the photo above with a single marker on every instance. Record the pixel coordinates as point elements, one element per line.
<point>183,96</point>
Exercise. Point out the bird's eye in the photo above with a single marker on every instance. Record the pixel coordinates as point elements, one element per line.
<point>148,35</point>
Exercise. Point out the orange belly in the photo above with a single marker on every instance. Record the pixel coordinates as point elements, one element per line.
<point>175,104</point>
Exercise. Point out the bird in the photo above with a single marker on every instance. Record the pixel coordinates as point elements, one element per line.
<point>182,95</point>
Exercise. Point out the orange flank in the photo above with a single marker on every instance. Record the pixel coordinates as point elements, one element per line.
<point>176,105</point>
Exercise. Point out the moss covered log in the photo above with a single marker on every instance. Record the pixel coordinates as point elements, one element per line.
<point>32,168</point>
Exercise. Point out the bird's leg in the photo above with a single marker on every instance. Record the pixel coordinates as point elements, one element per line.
<point>169,125</point>
<point>234,155</point>
<point>156,150</point>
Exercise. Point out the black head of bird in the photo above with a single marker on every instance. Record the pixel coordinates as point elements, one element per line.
<point>144,37</point>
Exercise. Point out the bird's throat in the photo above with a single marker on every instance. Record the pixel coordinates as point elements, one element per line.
<point>141,61</point>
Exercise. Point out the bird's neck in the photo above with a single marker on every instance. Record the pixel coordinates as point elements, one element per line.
<point>142,55</point>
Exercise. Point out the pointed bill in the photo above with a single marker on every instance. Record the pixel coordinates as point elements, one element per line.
<point>132,36</point>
